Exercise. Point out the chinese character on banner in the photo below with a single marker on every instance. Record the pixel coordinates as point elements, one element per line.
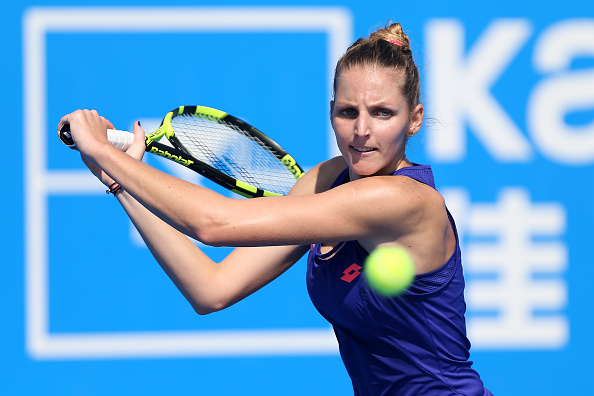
<point>514,258</point>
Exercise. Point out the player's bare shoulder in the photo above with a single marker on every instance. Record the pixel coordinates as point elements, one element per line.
<point>419,196</point>
<point>398,198</point>
<point>320,178</point>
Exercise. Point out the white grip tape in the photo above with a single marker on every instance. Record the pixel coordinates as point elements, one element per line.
<point>121,140</point>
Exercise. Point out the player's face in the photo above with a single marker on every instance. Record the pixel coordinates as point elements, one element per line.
<point>371,120</point>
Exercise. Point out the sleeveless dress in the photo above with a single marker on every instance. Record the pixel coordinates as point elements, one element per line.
<point>412,344</point>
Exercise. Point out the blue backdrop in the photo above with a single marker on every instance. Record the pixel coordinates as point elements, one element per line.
<point>509,93</point>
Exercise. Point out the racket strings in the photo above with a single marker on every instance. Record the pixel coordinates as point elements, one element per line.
<point>232,151</point>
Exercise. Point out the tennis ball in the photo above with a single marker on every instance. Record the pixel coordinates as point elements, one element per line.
<point>389,270</point>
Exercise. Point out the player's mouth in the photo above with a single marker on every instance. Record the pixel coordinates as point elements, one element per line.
<point>363,149</point>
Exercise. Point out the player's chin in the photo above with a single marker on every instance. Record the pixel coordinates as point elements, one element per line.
<point>362,163</point>
<point>364,168</point>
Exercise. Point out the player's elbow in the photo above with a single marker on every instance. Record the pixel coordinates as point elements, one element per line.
<point>212,298</point>
<point>212,229</point>
<point>208,307</point>
<point>209,237</point>
<point>202,310</point>
<point>217,235</point>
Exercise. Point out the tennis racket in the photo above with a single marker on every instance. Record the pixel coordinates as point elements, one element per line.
<point>220,147</point>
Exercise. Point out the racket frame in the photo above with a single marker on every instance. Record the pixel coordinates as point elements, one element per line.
<point>180,155</point>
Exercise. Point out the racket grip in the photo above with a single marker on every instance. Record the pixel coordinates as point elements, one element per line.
<point>121,140</point>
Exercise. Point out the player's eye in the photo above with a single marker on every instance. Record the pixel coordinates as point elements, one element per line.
<point>348,112</point>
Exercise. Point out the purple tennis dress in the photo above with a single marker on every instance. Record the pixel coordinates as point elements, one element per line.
<point>413,344</point>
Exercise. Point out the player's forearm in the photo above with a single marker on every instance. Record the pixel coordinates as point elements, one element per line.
<point>192,271</point>
<point>181,204</point>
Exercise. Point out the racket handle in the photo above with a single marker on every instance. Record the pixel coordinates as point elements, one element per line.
<point>121,140</point>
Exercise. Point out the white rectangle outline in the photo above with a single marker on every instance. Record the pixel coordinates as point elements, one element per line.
<point>37,22</point>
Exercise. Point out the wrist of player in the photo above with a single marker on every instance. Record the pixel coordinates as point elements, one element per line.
<point>114,188</point>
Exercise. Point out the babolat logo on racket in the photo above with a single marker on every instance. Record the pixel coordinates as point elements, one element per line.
<point>292,166</point>
<point>177,158</point>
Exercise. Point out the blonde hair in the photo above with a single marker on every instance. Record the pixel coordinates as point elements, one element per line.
<point>388,47</point>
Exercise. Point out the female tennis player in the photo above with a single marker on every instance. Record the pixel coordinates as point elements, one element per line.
<point>370,196</point>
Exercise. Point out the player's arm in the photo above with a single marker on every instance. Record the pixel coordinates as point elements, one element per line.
<point>200,212</point>
<point>208,286</point>
<point>211,286</point>
<point>356,210</point>
<point>375,211</point>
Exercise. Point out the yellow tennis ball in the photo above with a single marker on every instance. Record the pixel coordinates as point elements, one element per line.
<point>389,270</point>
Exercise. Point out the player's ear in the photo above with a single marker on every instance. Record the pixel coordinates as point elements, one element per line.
<point>416,119</point>
<point>331,110</point>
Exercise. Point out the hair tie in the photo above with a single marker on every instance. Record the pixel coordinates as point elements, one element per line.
<point>113,188</point>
